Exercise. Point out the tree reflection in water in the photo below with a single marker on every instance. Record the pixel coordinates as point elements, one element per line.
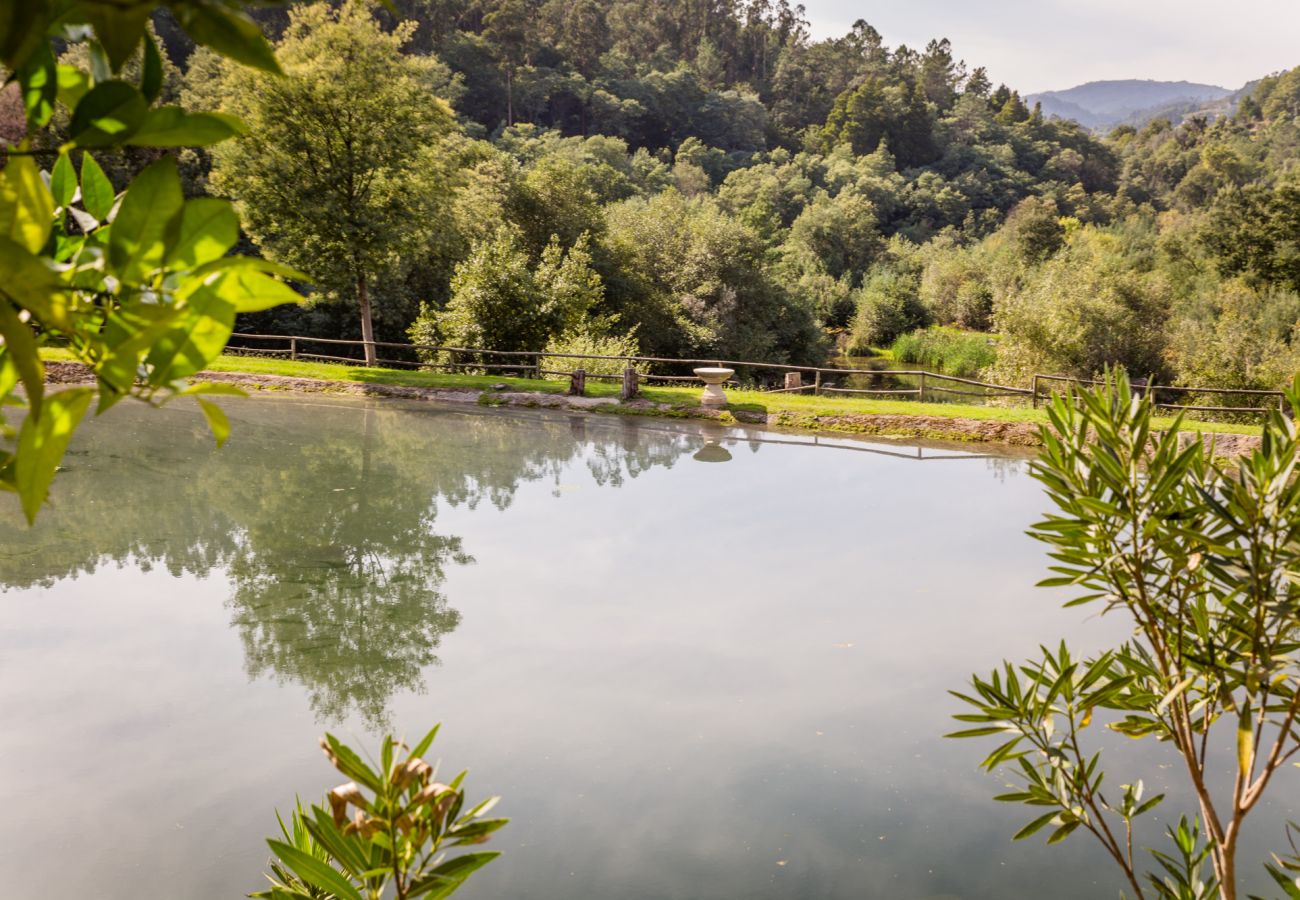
<point>321,516</point>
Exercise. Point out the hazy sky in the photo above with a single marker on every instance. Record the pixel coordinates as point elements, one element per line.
<point>1038,45</point>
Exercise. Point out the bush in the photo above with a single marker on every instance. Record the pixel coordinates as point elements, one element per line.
<point>955,288</point>
<point>591,338</point>
<point>1243,338</point>
<point>947,350</point>
<point>389,826</point>
<point>888,306</point>
<point>1092,305</point>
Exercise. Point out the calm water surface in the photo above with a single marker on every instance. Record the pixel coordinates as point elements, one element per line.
<point>695,663</point>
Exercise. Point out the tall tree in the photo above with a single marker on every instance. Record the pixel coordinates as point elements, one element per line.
<point>508,27</point>
<point>337,175</point>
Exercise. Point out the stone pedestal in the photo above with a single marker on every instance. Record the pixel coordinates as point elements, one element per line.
<point>713,378</point>
<point>713,452</point>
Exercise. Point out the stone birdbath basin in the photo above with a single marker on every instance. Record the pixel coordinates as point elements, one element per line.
<point>713,379</point>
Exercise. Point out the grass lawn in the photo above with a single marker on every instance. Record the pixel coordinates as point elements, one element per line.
<point>749,401</point>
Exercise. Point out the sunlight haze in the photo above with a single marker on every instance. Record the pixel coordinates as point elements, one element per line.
<point>1051,44</point>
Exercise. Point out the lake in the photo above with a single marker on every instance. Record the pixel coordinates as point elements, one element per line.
<point>696,662</point>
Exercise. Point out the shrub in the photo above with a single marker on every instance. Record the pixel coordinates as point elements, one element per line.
<point>888,306</point>
<point>591,338</point>
<point>1200,557</point>
<point>388,827</point>
<point>955,288</point>
<point>946,350</point>
<point>1090,306</point>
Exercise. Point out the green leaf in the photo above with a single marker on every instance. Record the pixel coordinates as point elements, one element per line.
<point>449,876</point>
<point>209,227</point>
<point>1063,832</point>
<point>101,69</point>
<point>147,221</point>
<point>229,32</point>
<point>97,194</point>
<point>26,205</point>
<point>349,852</point>
<point>979,732</point>
<point>42,442</point>
<point>477,832</point>
<point>151,72</point>
<point>108,115</point>
<point>1034,827</point>
<point>351,765</point>
<point>63,181</point>
<point>39,80</point>
<point>23,355</point>
<point>250,291</point>
<point>118,29</point>
<point>314,872</point>
<point>128,334</point>
<point>171,126</point>
<point>1149,805</point>
<point>72,85</point>
<point>33,285</point>
<point>217,421</point>
<point>24,31</point>
<point>196,341</point>
<point>427,742</point>
<point>254,263</point>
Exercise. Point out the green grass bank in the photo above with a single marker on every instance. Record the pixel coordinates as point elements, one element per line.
<point>893,418</point>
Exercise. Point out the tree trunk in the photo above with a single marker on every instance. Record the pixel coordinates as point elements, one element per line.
<point>510,97</point>
<point>367,329</point>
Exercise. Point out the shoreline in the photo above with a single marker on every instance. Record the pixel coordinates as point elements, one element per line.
<point>889,426</point>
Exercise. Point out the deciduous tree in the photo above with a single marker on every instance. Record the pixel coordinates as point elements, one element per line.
<point>339,174</point>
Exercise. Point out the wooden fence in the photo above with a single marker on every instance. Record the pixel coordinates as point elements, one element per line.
<point>929,386</point>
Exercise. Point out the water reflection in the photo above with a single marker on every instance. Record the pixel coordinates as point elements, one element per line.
<point>321,516</point>
<point>759,722</point>
<point>713,452</point>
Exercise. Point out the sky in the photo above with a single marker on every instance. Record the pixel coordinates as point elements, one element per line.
<point>1041,45</point>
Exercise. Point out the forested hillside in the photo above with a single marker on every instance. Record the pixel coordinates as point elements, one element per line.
<point>707,179</point>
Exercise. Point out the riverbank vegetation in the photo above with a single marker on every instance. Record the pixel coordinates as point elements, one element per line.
<point>945,349</point>
<point>676,400</point>
<point>705,182</point>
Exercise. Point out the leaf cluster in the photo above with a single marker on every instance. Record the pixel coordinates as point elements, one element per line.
<point>137,284</point>
<point>386,828</point>
<point>1203,557</point>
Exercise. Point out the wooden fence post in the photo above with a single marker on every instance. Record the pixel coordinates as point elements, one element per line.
<point>578,382</point>
<point>920,393</point>
<point>293,348</point>
<point>817,382</point>
<point>630,379</point>
<point>1034,402</point>
<point>793,381</point>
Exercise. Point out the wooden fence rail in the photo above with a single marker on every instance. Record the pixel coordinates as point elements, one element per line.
<point>529,363</point>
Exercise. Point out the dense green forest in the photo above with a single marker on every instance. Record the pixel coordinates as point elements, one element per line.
<point>689,178</point>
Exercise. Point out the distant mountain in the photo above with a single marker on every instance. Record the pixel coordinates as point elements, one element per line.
<point>1102,105</point>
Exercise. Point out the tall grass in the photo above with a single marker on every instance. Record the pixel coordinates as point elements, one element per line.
<point>948,350</point>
